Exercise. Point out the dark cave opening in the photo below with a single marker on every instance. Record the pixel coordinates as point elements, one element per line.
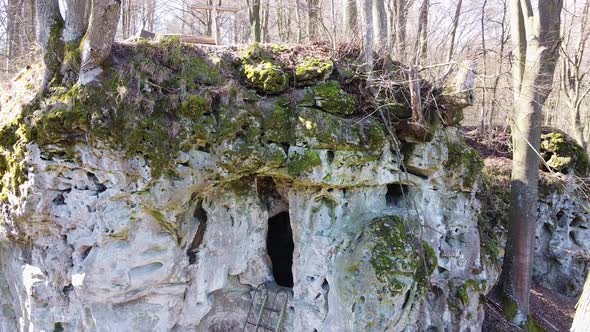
<point>279,245</point>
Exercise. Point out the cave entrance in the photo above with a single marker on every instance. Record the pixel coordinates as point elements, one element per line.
<point>279,245</point>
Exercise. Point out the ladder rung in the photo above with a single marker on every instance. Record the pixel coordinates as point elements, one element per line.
<point>266,327</point>
<point>271,309</point>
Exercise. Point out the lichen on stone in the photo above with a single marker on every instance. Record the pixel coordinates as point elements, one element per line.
<point>265,77</point>
<point>462,156</point>
<point>397,254</point>
<point>313,70</point>
<point>300,164</point>
<point>329,97</point>
<point>563,155</point>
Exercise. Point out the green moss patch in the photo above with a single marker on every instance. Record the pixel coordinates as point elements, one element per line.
<point>462,156</point>
<point>397,254</point>
<point>303,163</point>
<point>265,77</point>
<point>563,155</point>
<point>329,97</point>
<point>313,70</point>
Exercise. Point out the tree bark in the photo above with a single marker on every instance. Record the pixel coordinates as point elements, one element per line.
<point>582,316</point>
<point>454,30</point>
<point>76,21</point>
<point>536,40</point>
<point>380,24</point>
<point>421,47</point>
<point>254,15</point>
<point>350,19</point>
<point>367,31</point>
<point>313,19</point>
<point>49,34</point>
<point>99,38</point>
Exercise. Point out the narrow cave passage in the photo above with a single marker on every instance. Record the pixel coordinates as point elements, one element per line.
<point>279,245</point>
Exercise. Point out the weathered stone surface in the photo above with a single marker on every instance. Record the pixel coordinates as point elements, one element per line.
<point>140,209</point>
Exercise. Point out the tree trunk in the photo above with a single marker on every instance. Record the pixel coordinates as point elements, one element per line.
<point>582,316</point>
<point>50,26</point>
<point>313,19</point>
<point>76,21</point>
<point>367,30</point>
<point>421,49</point>
<point>536,42</point>
<point>380,24</point>
<point>398,25</point>
<point>98,39</point>
<point>454,30</point>
<point>350,19</point>
<point>254,14</point>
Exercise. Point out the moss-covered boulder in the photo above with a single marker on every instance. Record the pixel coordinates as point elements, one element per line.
<point>329,97</point>
<point>564,155</point>
<point>265,77</point>
<point>313,70</point>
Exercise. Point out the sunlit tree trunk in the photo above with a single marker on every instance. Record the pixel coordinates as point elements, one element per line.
<point>254,15</point>
<point>99,39</point>
<point>350,18</point>
<point>536,39</point>
<point>454,30</point>
<point>49,33</point>
<point>380,24</point>
<point>76,20</point>
<point>367,34</point>
<point>313,19</point>
<point>582,317</point>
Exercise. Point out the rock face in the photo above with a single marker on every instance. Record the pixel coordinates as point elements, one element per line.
<point>563,243</point>
<point>166,222</point>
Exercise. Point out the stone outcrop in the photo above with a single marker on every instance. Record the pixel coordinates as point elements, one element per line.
<point>144,204</point>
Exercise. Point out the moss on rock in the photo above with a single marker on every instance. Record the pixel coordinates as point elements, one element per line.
<point>329,97</point>
<point>462,156</point>
<point>300,164</point>
<point>265,77</point>
<point>313,70</point>
<point>397,255</point>
<point>563,155</point>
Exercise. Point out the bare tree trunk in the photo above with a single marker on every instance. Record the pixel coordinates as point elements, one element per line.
<point>482,115</point>
<point>313,19</point>
<point>454,30</point>
<point>298,18</point>
<point>98,39</point>
<point>367,30</point>
<point>421,46</point>
<point>398,25</point>
<point>536,41</point>
<point>76,21</point>
<point>500,65</point>
<point>380,24</point>
<point>582,316</point>
<point>350,19</point>
<point>254,15</point>
<point>50,26</point>
<point>265,24</point>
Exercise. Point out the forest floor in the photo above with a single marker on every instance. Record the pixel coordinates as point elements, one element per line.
<point>553,311</point>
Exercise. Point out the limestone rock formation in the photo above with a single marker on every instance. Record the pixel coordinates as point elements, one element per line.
<point>160,199</point>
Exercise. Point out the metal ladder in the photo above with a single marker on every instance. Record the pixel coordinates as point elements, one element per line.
<point>263,313</point>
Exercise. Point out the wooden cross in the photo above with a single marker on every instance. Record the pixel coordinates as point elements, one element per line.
<point>215,15</point>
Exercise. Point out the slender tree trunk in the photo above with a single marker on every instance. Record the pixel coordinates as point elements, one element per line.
<point>350,19</point>
<point>421,46</point>
<point>367,32</point>
<point>380,24</point>
<point>454,30</point>
<point>98,39</point>
<point>536,41</point>
<point>298,18</point>
<point>50,27</point>
<point>265,24</point>
<point>400,18</point>
<point>582,317</point>
<point>482,115</point>
<point>313,19</point>
<point>255,24</point>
